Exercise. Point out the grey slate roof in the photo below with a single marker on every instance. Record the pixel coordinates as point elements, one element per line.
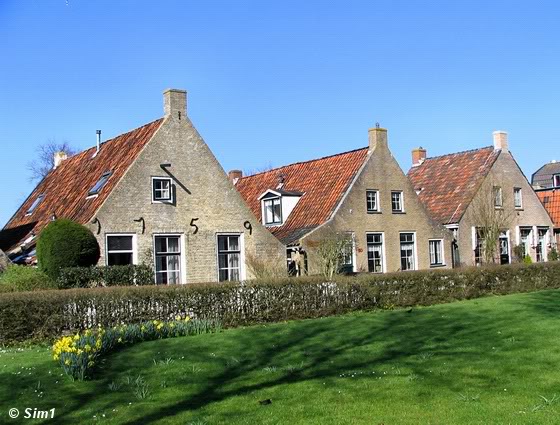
<point>543,177</point>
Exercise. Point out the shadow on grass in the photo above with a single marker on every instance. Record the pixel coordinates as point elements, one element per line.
<point>476,334</point>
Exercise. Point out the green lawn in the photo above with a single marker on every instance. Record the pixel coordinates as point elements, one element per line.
<point>492,360</point>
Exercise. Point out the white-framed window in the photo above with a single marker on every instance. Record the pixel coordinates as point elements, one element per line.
<point>35,204</point>
<point>436,252</point>
<point>556,180</point>
<point>408,251</point>
<point>167,258</point>
<point>162,190</point>
<point>372,201</point>
<point>120,249</point>
<point>517,197</point>
<point>272,211</point>
<point>397,201</point>
<point>542,235</point>
<point>230,253</point>
<point>100,184</point>
<point>375,252</point>
<point>498,197</point>
<point>525,240</point>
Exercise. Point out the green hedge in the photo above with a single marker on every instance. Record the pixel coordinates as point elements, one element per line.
<point>49,314</point>
<point>91,277</point>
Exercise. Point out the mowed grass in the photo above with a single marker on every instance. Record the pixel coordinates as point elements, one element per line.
<point>488,361</point>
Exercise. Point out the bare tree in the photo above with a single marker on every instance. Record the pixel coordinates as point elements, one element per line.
<point>331,251</point>
<point>258,170</point>
<point>491,212</point>
<point>44,162</point>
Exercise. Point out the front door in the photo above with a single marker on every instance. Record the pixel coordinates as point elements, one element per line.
<point>504,249</point>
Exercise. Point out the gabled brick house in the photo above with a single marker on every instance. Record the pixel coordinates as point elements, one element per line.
<point>155,194</point>
<point>546,182</point>
<point>450,186</point>
<point>363,194</point>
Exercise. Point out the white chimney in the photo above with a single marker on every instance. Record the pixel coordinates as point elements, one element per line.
<point>58,158</point>
<point>501,141</point>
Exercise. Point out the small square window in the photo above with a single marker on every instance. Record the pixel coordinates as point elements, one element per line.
<point>162,189</point>
<point>100,183</point>
<point>35,204</point>
<point>372,201</point>
<point>518,197</point>
<point>397,202</point>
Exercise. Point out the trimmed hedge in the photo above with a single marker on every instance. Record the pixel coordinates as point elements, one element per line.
<point>24,278</point>
<point>65,243</point>
<point>91,277</point>
<point>48,314</point>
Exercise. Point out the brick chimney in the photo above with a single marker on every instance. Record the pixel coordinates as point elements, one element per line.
<point>235,175</point>
<point>377,138</point>
<point>175,104</point>
<point>418,156</point>
<point>501,141</point>
<point>58,157</point>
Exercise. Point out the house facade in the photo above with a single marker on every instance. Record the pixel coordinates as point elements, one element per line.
<point>464,191</point>
<point>546,182</point>
<point>362,195</point>
<point>155,195</point>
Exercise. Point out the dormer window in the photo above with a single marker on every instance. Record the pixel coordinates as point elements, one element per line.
<point>556,180</point>
<point>277,205</point>
<point>272,211</point>
<point>162,189</point>
<point>35,204</point>
<point>100,183</point>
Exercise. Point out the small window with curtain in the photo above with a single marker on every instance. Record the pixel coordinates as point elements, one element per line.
<point>272,211</point>
<point>518,198</point>
<point>120,250</point>
<point>168,259</point>
<point>498,197</point>
<point>229,258</point>
<point>397,203</point>
<point>372,201</point>
<point>162,190</point>
<point>436,252</point>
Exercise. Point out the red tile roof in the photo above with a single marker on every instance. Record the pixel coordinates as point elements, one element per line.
<point>66,188</point>
<point>448,183</point>
<point>551,201</point>
<point>323,183</point>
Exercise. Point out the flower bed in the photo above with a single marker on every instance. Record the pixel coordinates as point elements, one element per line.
<point>78,354</point>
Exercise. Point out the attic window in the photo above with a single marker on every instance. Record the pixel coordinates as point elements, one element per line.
<point>556,180</point>
<point>100,183</point>
<point>272,211</point>
<point>35,204</point>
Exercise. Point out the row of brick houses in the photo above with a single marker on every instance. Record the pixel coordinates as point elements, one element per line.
<point>158,195</point>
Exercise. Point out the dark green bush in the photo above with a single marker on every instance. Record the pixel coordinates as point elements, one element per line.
<point>64,243</point>
<point>48,314</point>
<point>553,255</point>
<point>24,278</point>
<point>91,277</point>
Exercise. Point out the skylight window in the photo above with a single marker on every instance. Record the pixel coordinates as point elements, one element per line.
<point>35,204</point>
<point>100,183</point>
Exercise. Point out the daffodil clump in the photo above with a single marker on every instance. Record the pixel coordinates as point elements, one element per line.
<point>78,354</point>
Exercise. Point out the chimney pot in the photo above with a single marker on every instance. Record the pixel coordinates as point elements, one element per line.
<point>418,156</point>
<point>235,175</point>
<point>377,138</point>
<point>175,103</point>
<point>501,140</point>
<point>58,158</point>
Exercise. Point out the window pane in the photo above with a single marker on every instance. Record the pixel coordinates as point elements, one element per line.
<point>234,243</point>
<point>161,278</point>
<point>119,259</point>
<point>161,244</point>
<point>119,243</point>
<point>222,243</point>
<point>173,244</point>
<point>161,263</point>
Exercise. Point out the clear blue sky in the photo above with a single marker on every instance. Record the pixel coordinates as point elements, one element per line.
<point>274,82</point>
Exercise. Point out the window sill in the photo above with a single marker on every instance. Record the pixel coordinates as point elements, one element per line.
<point>399,212</point>
<point>170,202</point>
<point>437,266</point>
<point>374,212</point>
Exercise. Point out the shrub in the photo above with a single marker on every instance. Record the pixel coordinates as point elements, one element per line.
<point>553,255</point>
<point>90,277</point>
<point>78,354</point>
<point>64,243</point>
<point>43,315</point>
<point>24,278</point>
<point>527,259</point>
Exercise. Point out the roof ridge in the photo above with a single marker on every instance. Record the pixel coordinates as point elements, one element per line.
<point>303,162</point>
<point>459,153</point>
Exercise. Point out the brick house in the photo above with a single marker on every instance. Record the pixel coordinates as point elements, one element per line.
<point>156,195</point>
<point>362,194</point>
<point>546,182</point>
<point>455,187</point>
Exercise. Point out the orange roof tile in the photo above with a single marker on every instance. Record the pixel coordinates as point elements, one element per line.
<point>323,183</point>
<point>448,183</point>
<point>551,201</point>
<point>65,188</point>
